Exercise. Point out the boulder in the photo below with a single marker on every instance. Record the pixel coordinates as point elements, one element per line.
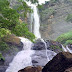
<point>59,63</point>
<point>12,39</point>
<point>39,45</point>
<point>31,69</point>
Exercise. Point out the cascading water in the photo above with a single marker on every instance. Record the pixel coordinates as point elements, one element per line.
<point>37,22</point>
<point>64,49</point>
<point>46,49</point>
<point>23,58</point>
<point>68,49</point>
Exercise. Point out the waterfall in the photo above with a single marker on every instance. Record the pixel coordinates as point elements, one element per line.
<point>36,22</point>
<point>68,49</point>
<point>35,17</point>
<point>23,58</point>
<point>64,49</point>
<point>46,49</point>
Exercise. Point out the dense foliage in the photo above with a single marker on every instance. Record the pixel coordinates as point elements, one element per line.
<point>9,19</point>
<point>65,38</point>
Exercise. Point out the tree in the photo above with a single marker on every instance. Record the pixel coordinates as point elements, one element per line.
<point>8,17</point>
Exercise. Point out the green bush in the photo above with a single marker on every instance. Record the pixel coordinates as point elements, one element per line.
<point>22,30</point>
<point>65,37</point>
<point>1,57</point>
<point>4,32</point>
<point>3,46</point>
<point>55,47</point>
<point>68,42</point>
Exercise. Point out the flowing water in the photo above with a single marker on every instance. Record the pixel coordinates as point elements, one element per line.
<point>46,49</point>
<point>64,49</point>
<point>68,49</point>
<point>23,58</point>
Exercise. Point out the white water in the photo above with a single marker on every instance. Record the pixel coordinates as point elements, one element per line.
<point>27,44</point>
<point>68,49</point>
<point>36,23</point>
<point>23,58</point>
<point>42,1</point>
<point>46,49</point>
<point>64,49</point>
<point>36,19</point>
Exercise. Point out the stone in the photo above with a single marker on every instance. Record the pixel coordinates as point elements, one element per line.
<point>59,63</point>
<point>31,69</point>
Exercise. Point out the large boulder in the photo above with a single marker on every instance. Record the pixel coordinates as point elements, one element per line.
<point>38,45</point>
<point>59,63</point>
<point>31,69</point>
<point>54,46</point>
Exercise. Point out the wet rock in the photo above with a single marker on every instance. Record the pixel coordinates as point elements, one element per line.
<point>39,58</point>
<point>54,46</point>
<point>39,45</point>
<point>59,63</point>
<point>31,69</point>
<point>2,61</point>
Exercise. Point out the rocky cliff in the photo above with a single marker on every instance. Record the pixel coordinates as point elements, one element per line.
<point>53,19</point>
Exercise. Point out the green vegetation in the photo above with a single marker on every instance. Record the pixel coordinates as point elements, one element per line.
<point>10,23</point>
<point>68,42</point>
<point>1,57</point>
<point>47,12</point>
<point>55,47</point>
<point>3,46</point>
<point>22,30</point>
<point>4,32</point>
<point>69,18</point>
<point>65,38</point>
<point>40,7</point>
<point>9,20</point>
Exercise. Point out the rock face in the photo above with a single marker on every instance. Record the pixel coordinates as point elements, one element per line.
<point>51,45</point>
<point>39,45</point>
<point>31,69</point>
<point>53,19</point>
<point>39,58</point>
<point>59,63</point>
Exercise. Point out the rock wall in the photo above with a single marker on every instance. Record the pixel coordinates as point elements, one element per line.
<point>53,19</point>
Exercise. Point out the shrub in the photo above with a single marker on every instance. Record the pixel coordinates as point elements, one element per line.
<point>65,37</point>
<point>22,30</point>
<point>56,47</point>
<point>3,46</point>
<point>68,42</point>
<point>1,57</point>
<point>4,32</point>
